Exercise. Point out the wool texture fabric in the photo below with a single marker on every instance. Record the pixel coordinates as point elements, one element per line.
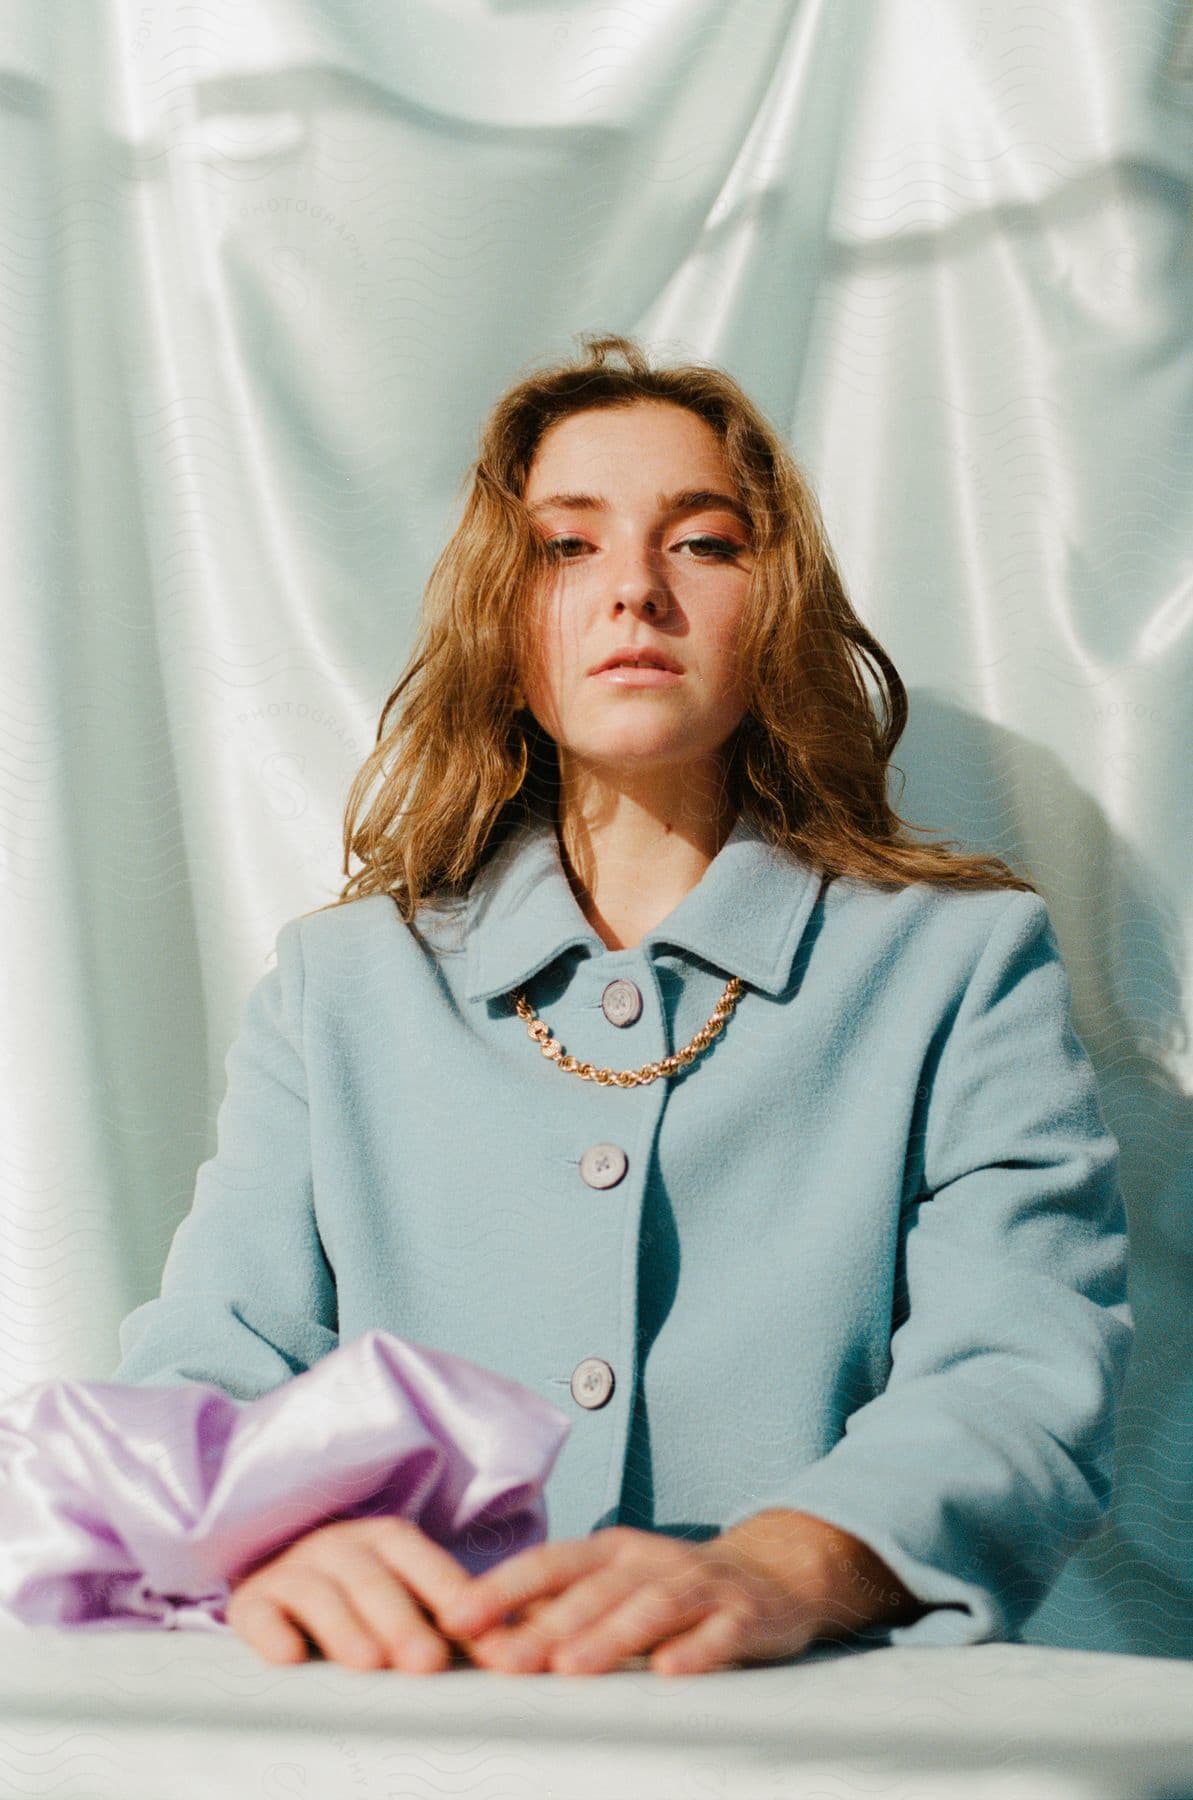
<point>867,1258</point>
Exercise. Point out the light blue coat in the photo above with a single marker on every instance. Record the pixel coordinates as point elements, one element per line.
<point>868,1257</point>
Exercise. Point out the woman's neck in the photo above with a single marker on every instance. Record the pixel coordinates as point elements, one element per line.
<point>630,868</point>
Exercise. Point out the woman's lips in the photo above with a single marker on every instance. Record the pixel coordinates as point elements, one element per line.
<point>638,675</point>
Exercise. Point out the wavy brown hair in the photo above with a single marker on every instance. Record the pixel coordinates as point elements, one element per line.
<point>460,762</point>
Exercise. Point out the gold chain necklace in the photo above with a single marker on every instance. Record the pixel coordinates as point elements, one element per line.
<point>670,1065</point>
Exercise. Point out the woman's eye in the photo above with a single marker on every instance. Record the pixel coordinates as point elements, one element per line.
<point>716,549</point>
<point>721,547</point>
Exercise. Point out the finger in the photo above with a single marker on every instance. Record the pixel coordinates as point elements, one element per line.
<point>394,1616</point>
<point>531,1641</point>
<point>315,1601</point>
<point>531,1575</point>
<point>653,1611</point>
<point>580,1606</point>
<point>263,1625</point>
<point>428,1570</point>
<point>729,1637</point>
<point>715,1643</point>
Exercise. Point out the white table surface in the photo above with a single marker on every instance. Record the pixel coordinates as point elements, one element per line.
<point>191,1715</point>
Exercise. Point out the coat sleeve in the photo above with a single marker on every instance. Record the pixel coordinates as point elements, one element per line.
<point>988,1457</point>
<point>247,1294</point>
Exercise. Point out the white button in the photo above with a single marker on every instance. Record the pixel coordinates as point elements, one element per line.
<point>621,1002</point>
<point>603,1165</point>
<point>592,1382</point>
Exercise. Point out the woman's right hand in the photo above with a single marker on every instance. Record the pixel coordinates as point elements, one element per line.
<point>362,1589</point>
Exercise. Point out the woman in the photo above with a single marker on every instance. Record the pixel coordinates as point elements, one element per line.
<point>649,1061</point>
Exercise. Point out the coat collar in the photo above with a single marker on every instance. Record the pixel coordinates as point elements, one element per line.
<point>746,914</point>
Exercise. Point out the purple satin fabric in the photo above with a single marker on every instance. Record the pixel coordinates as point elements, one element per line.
<point>123,1505</point>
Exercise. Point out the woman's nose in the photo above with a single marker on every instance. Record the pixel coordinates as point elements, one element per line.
<point>637,580</point>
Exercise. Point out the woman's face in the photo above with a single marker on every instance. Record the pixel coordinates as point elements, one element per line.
<point>638,564</point>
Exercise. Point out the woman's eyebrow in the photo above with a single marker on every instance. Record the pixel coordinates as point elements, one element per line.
<point>687,500</point>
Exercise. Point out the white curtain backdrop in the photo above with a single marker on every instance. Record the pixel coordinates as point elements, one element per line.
<point>264,264</point>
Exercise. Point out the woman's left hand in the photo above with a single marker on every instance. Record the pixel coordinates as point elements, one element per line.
<point>583,1606</point>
